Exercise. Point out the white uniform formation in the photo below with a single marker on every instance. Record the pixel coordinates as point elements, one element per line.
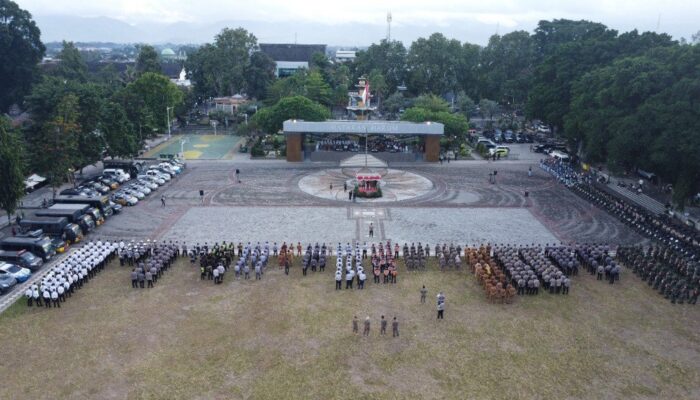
<point>350,272</point>
<point>61,280</point>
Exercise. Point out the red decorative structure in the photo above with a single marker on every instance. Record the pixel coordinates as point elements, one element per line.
<point>367,183</point>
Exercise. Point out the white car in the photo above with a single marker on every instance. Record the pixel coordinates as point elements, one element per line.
<point>117,174</point>
<point>135,193</point>
<point>156,173</point>
<point>19,273</point>
<point>148,183</point>
<point>141,188</point>
<point>170,167</point>
<point>151,178</point>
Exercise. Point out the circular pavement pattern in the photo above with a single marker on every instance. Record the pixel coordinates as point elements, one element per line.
<point>397,185</point>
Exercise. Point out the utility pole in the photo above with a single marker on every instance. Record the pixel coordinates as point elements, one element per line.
<point>388,26</point>
<point>167,111</point>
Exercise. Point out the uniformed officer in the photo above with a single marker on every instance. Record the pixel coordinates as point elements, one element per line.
<point>382,330</point>
<point>29,294</point>
<point>395,328</point>
<point>423,294</point>
<point>366,330</point>
<point>355,325</point>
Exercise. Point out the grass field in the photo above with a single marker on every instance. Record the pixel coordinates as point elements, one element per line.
<point>289,337</point>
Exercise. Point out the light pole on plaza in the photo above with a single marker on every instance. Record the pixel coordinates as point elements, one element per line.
<point>167,111</point>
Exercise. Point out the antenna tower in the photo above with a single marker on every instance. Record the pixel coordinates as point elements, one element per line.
<point>388,26</point>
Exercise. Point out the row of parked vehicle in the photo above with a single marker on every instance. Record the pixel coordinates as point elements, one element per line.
<point>76,212</point>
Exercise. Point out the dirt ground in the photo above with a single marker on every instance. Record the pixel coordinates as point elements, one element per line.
<point>289,337</point>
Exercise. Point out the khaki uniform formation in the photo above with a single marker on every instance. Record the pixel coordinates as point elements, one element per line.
<point>152,259</point>
<point>675,277</point>
<point>61,280</point>
<point>367,323</point>
<point>489,274</point>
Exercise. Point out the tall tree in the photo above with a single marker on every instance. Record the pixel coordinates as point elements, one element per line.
<point>11,168</point>
<point>56,142</point>
<point>506,66</point>
<point>147,60</point>
<point>389,57</point>
<point>20,51</point>
<point>234,47</point>
<point>219,69</point>
<point>434,65</point>
<point>259,75</point>
<point>118,132</point>
<point>156,94</point>
<point>72,66</point>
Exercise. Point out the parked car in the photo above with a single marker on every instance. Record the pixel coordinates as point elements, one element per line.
<point>503,151</point>
<point>158,174</point>
<point>19,273</point>
<point>117,173</point>
<point>99,187</point>
<point>147,183</point>
<point>152,178</point>
<point>140,188</point>
<point>23,258</point>
<point>508,136</point>
<point>117,208</point>
<point>7,281</point>
<point>124,199</point>
<point>134,193</point>
<point>110,182</point>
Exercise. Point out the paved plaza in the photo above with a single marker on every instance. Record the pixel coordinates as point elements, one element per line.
<point>460,205</point>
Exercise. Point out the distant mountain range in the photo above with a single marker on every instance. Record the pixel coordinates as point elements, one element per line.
<point>105,29</point>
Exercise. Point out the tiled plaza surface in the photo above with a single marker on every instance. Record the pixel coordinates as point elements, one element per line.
<point>462,206</point>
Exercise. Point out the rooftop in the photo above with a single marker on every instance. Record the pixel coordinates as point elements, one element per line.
<point>364,127</point>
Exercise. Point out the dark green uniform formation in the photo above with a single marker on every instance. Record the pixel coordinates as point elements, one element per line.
<point>675,276</point>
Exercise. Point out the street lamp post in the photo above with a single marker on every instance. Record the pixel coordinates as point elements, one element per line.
<point>167,111</point>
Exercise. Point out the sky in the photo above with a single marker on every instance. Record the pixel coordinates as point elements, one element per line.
<point>466,20</point>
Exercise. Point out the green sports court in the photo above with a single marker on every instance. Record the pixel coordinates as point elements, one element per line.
<point>199,147</point>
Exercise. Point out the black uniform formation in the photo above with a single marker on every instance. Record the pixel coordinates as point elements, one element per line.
<point>314,258</point>
<point>214,261</point>
<point>415,257</point>
<point>676,277</point>
<point>661,228</point>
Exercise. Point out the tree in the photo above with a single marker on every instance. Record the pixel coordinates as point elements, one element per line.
<point>20,51</point>
<point>234,47</point>
<point>316,88</point>
<point>469,69</point>
<point>11,168</point>
<point>117,131</point>
<point>378,87</point>
<point>147,60</point>
<point>394,103</point>
<point>219,69</point>
<point>506,67</point>
<point>455,124</point>
<point>431,103</point>
<point>434,65</point>
<point>389,57</point>
<point>72,66</point>
<point>157,94</point>
<point>55,142</point>
<point>260,74</point>
<point>270,119</point>
<point>488,108</point>
<point>465,103</point>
